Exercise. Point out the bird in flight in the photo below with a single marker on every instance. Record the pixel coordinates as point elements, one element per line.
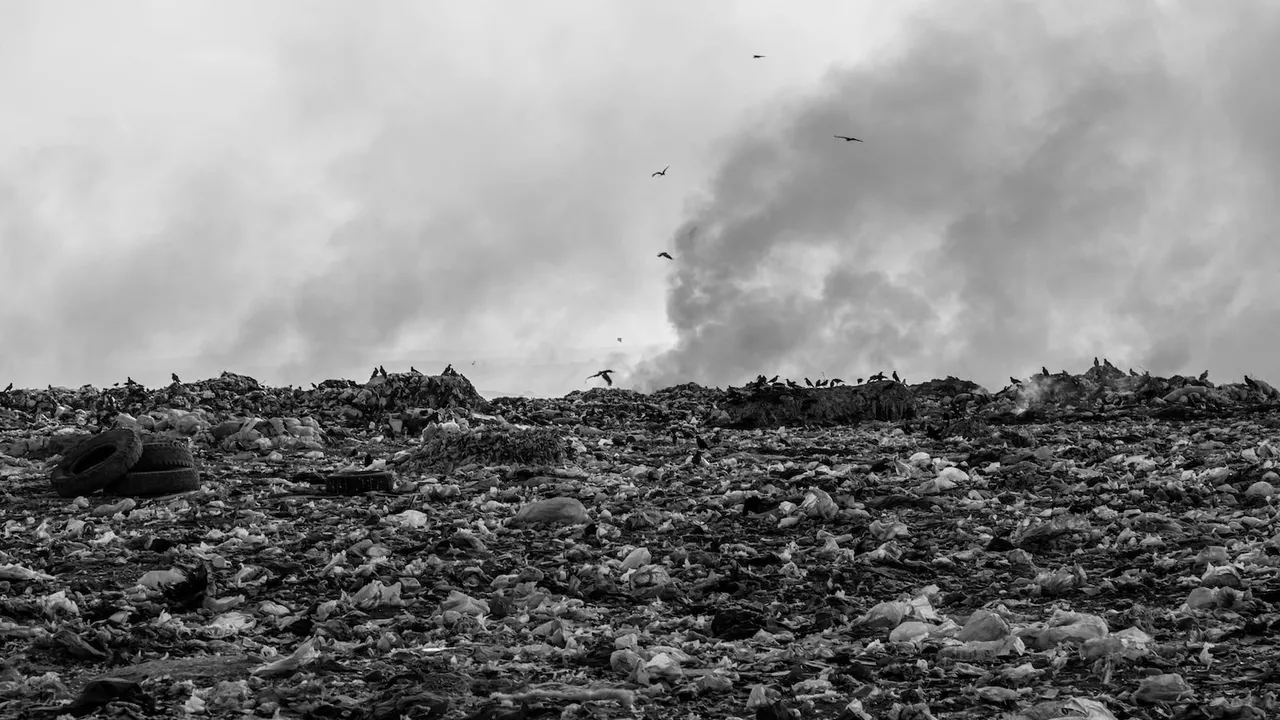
<point>603,374</point>
<point>846,138</point>
<point>665,255</point>
<point>619,339</point>
<point>663,172</point>
<point>756,57</point>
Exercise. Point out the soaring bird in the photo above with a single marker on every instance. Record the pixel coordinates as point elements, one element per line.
<point>175,378</point>
<point>604,374</point>
<point>846,138</point>
<point>756,57</point>
<point>661,172</point>
<point>895,376</point>
<point>665,255</point>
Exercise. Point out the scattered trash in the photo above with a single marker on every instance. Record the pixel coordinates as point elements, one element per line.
<point>404,548</point>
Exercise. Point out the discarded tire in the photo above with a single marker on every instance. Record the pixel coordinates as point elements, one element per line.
<point>359,481</point>
<point>166,455</point>
<point>97,462</point>
<point>157,482</point>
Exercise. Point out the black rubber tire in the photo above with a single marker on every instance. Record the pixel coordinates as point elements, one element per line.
<point>157,482</point>
<point>164,455</point>
<point>96,463</point>
<point>354,482</point>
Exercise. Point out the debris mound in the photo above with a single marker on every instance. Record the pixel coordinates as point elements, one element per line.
<point>774,405</point>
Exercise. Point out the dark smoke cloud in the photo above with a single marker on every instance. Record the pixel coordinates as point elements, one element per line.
<point>1032,190</point>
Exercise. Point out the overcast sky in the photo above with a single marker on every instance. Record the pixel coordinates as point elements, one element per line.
<point>303,190</point>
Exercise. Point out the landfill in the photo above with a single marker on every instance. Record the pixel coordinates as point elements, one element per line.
<point>1092,545</point>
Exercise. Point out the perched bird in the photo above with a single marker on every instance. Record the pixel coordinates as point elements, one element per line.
<point>175,378</point>
<point>1014,380</point>
<point>314,386</point>
<point>8,387</point>
<point>838,381</point>
<point>895,376</point>
<point>702,444</point>
<point>808,382</point>
<point>374,374</point>
<point>1204,375</point>
<point>774,379</point>
<point>448,369</point>
<point>661,172</point>
<point>846,138</point>
<point>1044,371</point>
<point>414,370</point>
<point>129,381</point>
<point>382,371</point>
<point>877,376</point>
<point>604,374</point>
<point>859,381</point>
<point>1095,361</point>
<point>665,255</point>
<point>793,384</point>
<point>756,57</point>
<point>822,383</point>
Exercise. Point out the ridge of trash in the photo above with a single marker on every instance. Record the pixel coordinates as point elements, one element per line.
<point>1091,545</point>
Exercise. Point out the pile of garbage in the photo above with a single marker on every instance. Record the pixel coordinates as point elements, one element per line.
<point>401,548</point>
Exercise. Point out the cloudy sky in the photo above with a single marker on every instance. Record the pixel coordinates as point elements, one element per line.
<point>301,190</point>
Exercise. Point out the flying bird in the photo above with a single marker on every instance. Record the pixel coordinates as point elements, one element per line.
<point>665,255</point>
<point>662,172</point>
<point>756,57</point>
<point>604,374</point>
<point>619,339</point>
<point>175,378</point>
<point>846,138</point>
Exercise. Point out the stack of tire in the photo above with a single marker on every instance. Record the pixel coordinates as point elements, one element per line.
<point>120,462</point>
